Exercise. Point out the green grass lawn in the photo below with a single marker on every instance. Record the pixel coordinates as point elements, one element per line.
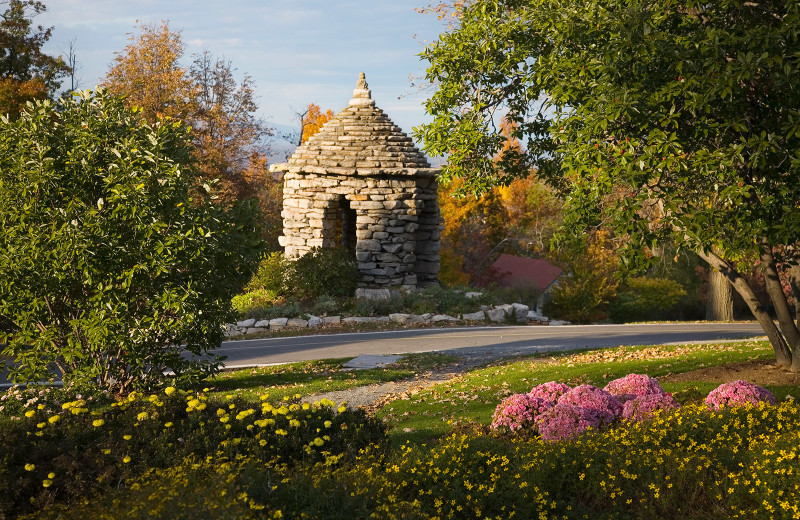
<point>274,383</point>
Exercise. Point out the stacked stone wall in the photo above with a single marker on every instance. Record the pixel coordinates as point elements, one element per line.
<point>397,224</point>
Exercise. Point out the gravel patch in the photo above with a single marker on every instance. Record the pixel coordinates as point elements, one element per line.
<point>372,397</point>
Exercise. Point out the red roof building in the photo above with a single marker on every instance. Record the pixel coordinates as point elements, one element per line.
<point>516,271</point>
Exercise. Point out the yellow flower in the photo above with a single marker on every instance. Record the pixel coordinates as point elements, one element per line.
<point>51,475</point>
<point>126,459</point>
<point>142,416</point>
<point>168,425</point>
<point>126,437</point>
<point>318,442</point>
<point>98,422</point>
<point>30,413</point>
<point>54,419</point>
<point>47,483</point>
<point>30,467</point>
<point>327,424</point>
<point>169,390</point>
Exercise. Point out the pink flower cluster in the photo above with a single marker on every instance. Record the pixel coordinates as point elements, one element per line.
<point>633,386</point>
<point>559,412</point>
<point>737,393</point>
<point>518,411</point>
<point>566,421</point>
<point>605,406</point>
<point>550,391</point>
<point>642,408</point>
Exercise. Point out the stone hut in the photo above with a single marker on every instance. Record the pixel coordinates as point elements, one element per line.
<point>360,183</point>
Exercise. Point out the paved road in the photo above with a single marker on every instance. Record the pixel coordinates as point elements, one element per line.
<point>505,341</point>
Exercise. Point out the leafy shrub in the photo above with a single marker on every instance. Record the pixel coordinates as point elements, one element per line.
<point>253,302</point>
<point>441,300</point>
<point>368,307</point>
<point>646,299</point>
<point>110,269</point>
<point>325,306</point>
<point>584,293</point>
<point>287,309</point>
<point>738,393</point>
<point>270,274</point>
<point>322,271</point>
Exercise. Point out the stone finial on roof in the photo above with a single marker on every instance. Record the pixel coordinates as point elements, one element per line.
<point>362,95</point>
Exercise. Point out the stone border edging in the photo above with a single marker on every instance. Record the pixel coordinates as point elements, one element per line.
<point>498,314</point>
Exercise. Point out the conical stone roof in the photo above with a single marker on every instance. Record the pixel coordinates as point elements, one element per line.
<point>361,140</point>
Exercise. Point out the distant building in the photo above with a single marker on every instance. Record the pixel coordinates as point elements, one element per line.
<point>360,183</point>
<point>533,273</point>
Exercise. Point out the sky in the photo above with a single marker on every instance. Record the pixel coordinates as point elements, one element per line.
<point>296,52</point>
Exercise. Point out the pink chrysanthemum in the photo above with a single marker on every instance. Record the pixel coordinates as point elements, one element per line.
<point>550,391</point>
<point>566,421</point>
<point>641,408</point>
<point>737,393</point>
<point>633,386</point>
<point>518,411</point>
<point>606,406</point>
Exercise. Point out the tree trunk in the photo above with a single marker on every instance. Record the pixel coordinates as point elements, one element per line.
<point>719,306</point>
<point>781,306</point>
<point>783,354</point>
<point>794,281</point>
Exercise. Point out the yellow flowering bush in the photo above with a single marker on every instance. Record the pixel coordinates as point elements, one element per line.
<point>90,450</point>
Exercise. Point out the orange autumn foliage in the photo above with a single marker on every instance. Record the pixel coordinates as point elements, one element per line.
<point>314,120</point>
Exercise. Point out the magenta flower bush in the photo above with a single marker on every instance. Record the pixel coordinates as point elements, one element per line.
<point>558,412</point>
<point>738,393</point>
<point>605,406</point>
<point>518,411</point>
<point>550,391</point>
<point>641,408</point>
<point>633,386</point>
<point>566,421</point>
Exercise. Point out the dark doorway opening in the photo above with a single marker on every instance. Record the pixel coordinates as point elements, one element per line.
<point>345,235</point>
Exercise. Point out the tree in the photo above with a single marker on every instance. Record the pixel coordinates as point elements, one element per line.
<point>227,132</point>
<point>719,302</point>
<point>148,73</point>
<point>313,120</point>
<point>112,272</point>
<point>662,120</point>
<point>221,111</point>
<point>26,73</point>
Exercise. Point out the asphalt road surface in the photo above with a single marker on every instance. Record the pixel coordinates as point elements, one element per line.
<point>492,342</point>
<point>499,341</point>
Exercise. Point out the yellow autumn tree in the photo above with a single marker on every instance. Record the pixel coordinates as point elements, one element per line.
<point>518,219</point>
<point>313,120</point>
<point>148,73</point>
<point>205,95</point>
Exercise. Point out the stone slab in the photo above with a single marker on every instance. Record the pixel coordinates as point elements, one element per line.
<point>371,361</point>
